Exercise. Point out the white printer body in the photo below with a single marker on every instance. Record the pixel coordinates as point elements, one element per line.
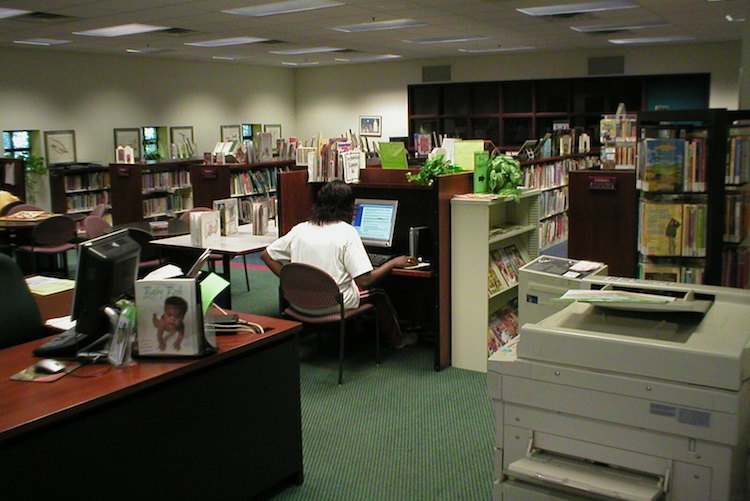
<point>627,401</point>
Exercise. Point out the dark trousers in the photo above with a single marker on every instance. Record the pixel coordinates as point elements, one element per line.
<point>387,317</point>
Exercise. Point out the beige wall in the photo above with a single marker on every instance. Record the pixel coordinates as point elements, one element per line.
<point>331,99</point>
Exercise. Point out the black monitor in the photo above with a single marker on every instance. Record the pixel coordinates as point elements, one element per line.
<point>107,270</point>
<point>375,221</point>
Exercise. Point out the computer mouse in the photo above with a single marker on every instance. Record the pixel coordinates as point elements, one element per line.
<point>50,366</point>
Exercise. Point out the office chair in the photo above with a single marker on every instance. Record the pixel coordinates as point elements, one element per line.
<point>52,236</point>
<point>19,313</point>
<point>307,288</point>
<point>98,210</point>
<point>95,226</point>
<point>149,259</point>
<point>7,207</point>
<point>20,207</point>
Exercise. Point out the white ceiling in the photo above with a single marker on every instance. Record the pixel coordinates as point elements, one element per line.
<point>704,20</point>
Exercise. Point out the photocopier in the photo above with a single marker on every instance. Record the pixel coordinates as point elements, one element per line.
<point>627,400</point>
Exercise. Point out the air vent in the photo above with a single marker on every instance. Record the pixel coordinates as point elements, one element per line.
<point>43,17</point>
<point>611,65</point>
<point>440,73</point>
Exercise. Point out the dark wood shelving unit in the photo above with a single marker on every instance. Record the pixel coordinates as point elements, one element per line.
<point>68,183</point>
<point>18,187</point>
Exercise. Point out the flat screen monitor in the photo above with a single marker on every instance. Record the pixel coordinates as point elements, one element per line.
<point>375,221</point>
<point>107,270</point>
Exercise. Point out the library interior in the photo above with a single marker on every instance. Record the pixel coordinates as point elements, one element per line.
<point>354,249</point>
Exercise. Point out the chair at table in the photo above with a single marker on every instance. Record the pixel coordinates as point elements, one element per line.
<point>98,210</point>
<point>20,207</point>
<point>308,289</point>
<point>150,259</point>
<point>53,237</point>
<point>19,313</point>
<point>7,207</point>
<point>95,226</point>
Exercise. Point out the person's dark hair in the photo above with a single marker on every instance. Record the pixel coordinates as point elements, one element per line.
<point>178,303</point>
<point>335,202</point>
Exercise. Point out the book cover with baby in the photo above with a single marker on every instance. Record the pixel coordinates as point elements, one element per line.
<point>169,320</point>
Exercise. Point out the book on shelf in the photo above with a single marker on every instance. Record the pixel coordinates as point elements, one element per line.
<point>495,282</point>
<point>736,216</point>
<point>661,164</point>
<point>422,144</point>
<point>662,272</point>
<point>502,326</point>
<point>738,160</point>
<point>694,229</point>
<point>660,228</point>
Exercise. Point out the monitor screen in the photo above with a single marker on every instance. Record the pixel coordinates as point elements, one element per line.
<point>375,221</point>
<point>107,270</point>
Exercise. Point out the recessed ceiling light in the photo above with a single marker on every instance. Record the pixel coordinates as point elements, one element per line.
<point>446,39</point>
<point>733,19</point>
<point>393,24</point>
<point>223,42</point>
<point>496,49</point>
<point>310,50</point>
<point>271,9</point>
<point>42,41</point>
<point>362,59</point>
<point>578,8</point>
<point>121,30</point>
<point>627,41</point>
<point>290,63</point>
<point>5,12</point>
<point>227,58</point>
<point>617,27</point>
<point>145,50</point>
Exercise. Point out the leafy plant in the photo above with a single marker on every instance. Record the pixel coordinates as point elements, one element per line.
<point>505,175</point>
<point>35,168</point>
<point>432,168</point>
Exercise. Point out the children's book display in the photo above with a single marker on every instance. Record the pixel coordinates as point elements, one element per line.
<point>205,228</point>
<point>229,214</point>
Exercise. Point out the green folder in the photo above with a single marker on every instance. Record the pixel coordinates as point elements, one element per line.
<point>481,172</point>
<point>393,155</point>
<point>464,152</point>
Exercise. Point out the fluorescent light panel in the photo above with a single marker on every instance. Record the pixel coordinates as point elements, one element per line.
<point>223,42</point>
<point>446,39</point>
<point>121,30</point>
<point>362,59</point>
<point>496,49</point>
<point>145,50</point>
<point>272,9</point>
<point>290,63</point>
<point>5,12</point>
<point>578,8</point>
<point>629,41</point>
<point>42,41</point>
<point>733,19</point>
<point>227,58</point>
<point>393,24</point>
<point>310,50</point>
<point>617,27</point>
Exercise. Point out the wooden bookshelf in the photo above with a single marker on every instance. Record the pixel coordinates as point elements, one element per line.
<point>212,182</point>
<point>77,190</point>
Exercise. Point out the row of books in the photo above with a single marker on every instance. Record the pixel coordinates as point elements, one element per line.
<point>86,201</point>
<point>738,160</point>
<point>167,205</point>
<point>670,272</point>
<point>87,181</point>
<point>164,181</point>
<point>502,326</point>
<point>736,216</point>
<point>735,267</point>
<point>672,165</point>
<point>553,202</point>
<point>672,229</point>
<point>503,268</point>
<point>619,156</point>
<point>547,175</point>
<point>618,128</point>
<point>553,230</point>
<point>254,182</point>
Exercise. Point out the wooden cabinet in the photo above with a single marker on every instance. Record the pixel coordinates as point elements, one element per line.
<point>482,230</point>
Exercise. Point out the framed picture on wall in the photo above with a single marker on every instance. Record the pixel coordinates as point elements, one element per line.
<point>182,139</point>
<point>60,146</point>
<point>231,133</point>
<point>370,125</point>
<point>275,130</point>
<point>129,137</point>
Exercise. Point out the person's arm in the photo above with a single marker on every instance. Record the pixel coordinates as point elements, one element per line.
<point>275,266</point>
<point>368,280</point>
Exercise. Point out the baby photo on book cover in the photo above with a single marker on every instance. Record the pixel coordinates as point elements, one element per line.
<point>168,321</point>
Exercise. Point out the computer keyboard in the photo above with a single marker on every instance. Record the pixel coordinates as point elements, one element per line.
<point>64,344</point>
<point>378,259</point>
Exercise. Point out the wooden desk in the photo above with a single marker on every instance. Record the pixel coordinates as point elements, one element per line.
<point>230,246</point>
<point>227,426</point>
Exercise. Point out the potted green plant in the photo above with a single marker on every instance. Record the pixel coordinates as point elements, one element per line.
<point>505,175</point>
<point>35,168</point>
<point>433,167</point>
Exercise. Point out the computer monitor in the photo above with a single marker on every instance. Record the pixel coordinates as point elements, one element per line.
<point>107,270</point>
<point>375,221</point>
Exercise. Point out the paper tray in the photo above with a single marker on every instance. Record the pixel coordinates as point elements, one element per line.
<point>570,474</point>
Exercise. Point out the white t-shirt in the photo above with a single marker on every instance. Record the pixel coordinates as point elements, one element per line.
<point>335,248</point>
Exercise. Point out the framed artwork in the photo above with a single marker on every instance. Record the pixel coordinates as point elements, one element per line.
<point>370,125</point>
<point>129,137</point>
<point>182,139</point>
<point>231,133</point>
<point>60,146</point>
<point>275,130</point>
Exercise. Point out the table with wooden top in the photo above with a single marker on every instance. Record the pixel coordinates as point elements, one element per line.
<point>225,426</point>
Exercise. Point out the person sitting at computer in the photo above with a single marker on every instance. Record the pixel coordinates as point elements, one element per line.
<point>328,241</point>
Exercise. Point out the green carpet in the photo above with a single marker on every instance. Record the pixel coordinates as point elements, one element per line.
<point>398,431</point>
